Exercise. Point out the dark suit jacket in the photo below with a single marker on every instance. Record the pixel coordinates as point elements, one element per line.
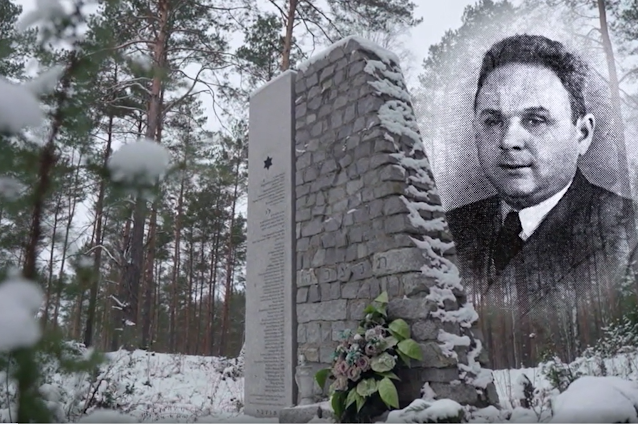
<point>583,245</point>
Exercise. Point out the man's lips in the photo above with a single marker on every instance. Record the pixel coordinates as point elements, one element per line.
<point>514,165</point>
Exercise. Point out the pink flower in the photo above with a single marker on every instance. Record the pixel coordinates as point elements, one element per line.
<point>340,368</point>
<point>354,372</point>
<point>370,349</point>
<point>363,362</point>
<point>370,334</point>
<point>340,384</point>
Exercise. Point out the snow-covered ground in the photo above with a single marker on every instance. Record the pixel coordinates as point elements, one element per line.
<point>152,387</point>
<point>164,386</point>
<point>149,387</point>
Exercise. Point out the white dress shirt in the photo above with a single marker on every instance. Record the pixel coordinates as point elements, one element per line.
<point>531,217</point>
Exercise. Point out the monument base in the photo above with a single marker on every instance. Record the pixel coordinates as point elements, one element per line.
<point>305,413</point>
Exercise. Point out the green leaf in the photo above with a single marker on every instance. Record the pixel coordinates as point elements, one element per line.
<point>337,401</point>
<point>383,363</point>
<point>388,393</point>
<point>360,402</point>
<point>390,341</point>
<point>404,358</point>
<point>367,387</point>
<point>411,349</point>
<point>370,309</point>
<point>321,376</point>
<point>391,375</point>
<point>382,298</point>
<point>352,397</point>
<point>400,329</point>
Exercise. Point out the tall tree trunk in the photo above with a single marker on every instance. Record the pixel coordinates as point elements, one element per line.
<point>99,212</point>
<point>155,322</point>
<point>177,233</point>
<point>49,290</point>
<point>133,268</point>
<point>117,311</point>
<point>201,278</point>
<point>65,245</point>
<point>189,293</point>
<point>290,25</point>
<point>78,308</point>
<point>229,263</point>
<point>150,260</point>
<point>614,87</point>
<point>149,279</point>
<point>212,286</point>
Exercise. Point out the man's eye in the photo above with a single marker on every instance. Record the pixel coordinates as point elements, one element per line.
<point>535,120</point>
<point>492,122</point>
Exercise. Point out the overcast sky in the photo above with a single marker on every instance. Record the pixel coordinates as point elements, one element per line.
<point>438,16</point>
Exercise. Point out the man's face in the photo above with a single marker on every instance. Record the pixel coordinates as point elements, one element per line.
<point>527,144</point>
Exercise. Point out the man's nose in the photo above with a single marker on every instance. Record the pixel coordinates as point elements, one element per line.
<point>513,136</point>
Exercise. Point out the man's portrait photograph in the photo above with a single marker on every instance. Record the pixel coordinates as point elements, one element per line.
<point>535,171</point>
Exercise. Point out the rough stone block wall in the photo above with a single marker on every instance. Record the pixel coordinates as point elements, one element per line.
<point>368,219</point>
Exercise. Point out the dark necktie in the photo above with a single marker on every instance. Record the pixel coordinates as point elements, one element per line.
<point>508,243</point>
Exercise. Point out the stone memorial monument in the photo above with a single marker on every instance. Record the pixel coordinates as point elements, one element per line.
<point>342,205</point>
<point>270,275</point>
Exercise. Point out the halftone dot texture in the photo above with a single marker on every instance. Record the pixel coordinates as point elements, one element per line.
<point>522,321</point>
<point>445,115</point>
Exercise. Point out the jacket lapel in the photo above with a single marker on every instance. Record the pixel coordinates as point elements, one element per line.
<point>560,243</point>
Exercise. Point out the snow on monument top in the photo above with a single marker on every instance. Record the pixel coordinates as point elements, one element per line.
<point>277,78</point>
<point>385,55</point>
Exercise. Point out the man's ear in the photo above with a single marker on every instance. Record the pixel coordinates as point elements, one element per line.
<point>585,128</point>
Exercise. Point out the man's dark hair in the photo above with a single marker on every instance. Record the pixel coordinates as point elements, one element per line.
<point>540,51</point>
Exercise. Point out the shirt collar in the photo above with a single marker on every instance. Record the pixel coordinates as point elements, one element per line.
<point>531,217</point>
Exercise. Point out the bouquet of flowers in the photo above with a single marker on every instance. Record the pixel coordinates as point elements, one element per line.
<point>364,365</point>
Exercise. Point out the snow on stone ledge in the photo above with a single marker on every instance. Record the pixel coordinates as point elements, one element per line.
<point>272,81</point>
<point>20,300</point>
<point>386,56</point>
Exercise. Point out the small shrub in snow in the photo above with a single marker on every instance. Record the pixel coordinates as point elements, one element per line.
<point>231,368</point>
<point>559,374</point>
<point>619,337</point>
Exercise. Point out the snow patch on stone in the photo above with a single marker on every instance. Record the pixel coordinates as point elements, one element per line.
<point>386,56</point>
<point>272,81</point>
<point>397,117</point>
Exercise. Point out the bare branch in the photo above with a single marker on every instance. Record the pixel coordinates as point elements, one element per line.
<point>105,250</point>
<point>188,93</point>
